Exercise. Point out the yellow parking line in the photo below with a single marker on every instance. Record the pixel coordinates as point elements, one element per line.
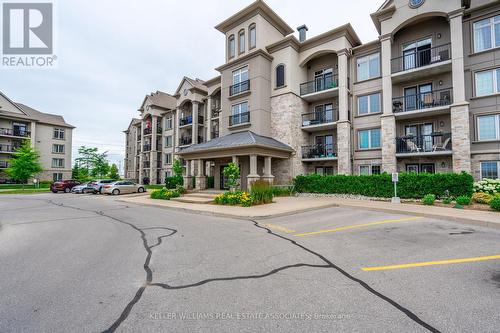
<point>279,228</point>
<point>357,226</point>
<point>431,263</point>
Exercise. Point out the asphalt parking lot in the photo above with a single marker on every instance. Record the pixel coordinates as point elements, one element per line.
<point>91,263</point>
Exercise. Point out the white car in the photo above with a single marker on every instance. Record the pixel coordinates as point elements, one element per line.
<point>83,188</point>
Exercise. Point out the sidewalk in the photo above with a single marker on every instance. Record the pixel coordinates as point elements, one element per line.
<point>293,205</point>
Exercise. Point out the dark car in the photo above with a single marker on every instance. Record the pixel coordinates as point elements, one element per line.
<point>63,185</point>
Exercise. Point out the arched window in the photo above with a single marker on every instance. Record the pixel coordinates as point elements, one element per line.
<point>252,36</point>
<point>231,46</point>
<point>280,75</point>
<point>241,41</point>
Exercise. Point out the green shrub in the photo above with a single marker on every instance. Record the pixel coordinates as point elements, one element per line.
<point>180,189</point>
<point>491,186</point>
<point>173,181</point>
<point>495,204</point>
<point>283,191</point>
<point>165,194</point>
<point>447,200</point>
<point>463,200</point>
<point>411,185</point>
<point>261,192</point>
<point>482,198</point>
<point>234,198</point>
<point>232,174</point>
<point>429,199</point>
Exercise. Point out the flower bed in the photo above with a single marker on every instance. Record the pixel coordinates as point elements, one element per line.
<point>165,194</point>
<point>491,186</point>
<point>238,198</point>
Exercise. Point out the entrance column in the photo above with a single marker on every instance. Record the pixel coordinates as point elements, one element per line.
<point>201,179</point>
<point>253,175</point>
<point>188,178</point>
<point>268,177</point>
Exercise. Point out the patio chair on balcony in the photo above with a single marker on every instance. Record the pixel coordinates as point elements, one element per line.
<point>428,101</point>
<point>397,106</point>
<point>442,146</point>
<point>445,98</point>
<point>412,147</point>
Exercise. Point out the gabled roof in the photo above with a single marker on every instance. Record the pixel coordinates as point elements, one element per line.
<point>257,7</point>
<point>235,140</point>
<point>195,84</point>
<point>160,99</point>
<point>42,117</point>
<point>133,122</point>
<point>386,4</point>
<point>14,105</point>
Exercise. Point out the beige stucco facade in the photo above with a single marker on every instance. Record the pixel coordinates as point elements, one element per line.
<point>404,102</point>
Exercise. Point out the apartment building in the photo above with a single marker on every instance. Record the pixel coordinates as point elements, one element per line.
<point>423,97</point>
<point>50,135</point>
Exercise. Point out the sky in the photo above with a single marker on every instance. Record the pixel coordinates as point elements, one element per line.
<point>112,53</point>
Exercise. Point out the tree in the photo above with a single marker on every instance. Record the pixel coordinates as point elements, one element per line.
<point>232,174</point>
<point>86,158</point>
<point>101,166</point>
<point>113,172</point>
<point>25,163</point>
<point>177,168</point>
<point>91,163</point>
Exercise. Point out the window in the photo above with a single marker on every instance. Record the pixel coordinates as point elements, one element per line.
<point>58,162</point>
<point>327,170</point>
<point>421,168</point>
<point>58,149</point>
<point>239,114</point>
<point>487,82</point>
<point>252,36</point>
<point>369,104</point>
<point>241,41</point>
<point>168,173</point>
<point>487,34</point>
<point>168,141</point>
<point>240,81</point>
<point>365,170</point>
<point>369,139</point>
<point>280,76</point>
<point>490,169</point>
<point>57,176</point>
<point>231,46</point>
<point>488,127</point>
<point>168,158</point>
<point>369,67</point>
<point>59,133</point>
<point>168,123</point>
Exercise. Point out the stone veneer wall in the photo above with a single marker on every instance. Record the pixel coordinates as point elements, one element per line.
<point>344,147</point>
<point>460,138</point>
<point>388,128</point>
<point>286,123</point>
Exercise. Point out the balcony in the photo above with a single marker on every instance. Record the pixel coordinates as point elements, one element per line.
<point>239,119</point>
<point>215,112</point>
<point>4,164</point>
<point>148,131</point>
<point>159,164</point>
<point>15,132</point>
<point>9,148</point>
<point>239,88</point>
<point>432,103</point>
<point>424,145</point>
<point>319,120</point>
<point>422,63</point>
<point>159,130</point>
<point>215,134</point>
<point>186,121</point>
<point>139,137</point>
<point>186,140</point>
<point>320,88</point>
<point>146,164</point>
<point>146,147</point>
<point>319,152</point>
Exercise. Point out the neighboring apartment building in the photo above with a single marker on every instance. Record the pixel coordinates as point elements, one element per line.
<point>50,135</point>
<point>421,98</point>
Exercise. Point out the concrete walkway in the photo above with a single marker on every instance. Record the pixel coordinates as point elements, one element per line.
<point>293,205</point>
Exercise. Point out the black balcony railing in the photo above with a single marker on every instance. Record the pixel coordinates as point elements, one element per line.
<point>158,164</point>
<point>138,137</point>
<point>186,121</point>
<point>4,164</point>
<point>186,140</point>
<point>319,151</point>
<point>201,120</point>
<point>200,139</point>
<point>159,130</point>
<point>148,131</point>
<point>146,164</point>
<point>434,142</point>
<point>15,132</point>
<point>425,100</point>
<point>320,117</point>
<point>319,84</point>
<point>215,134</point>
<point>240,118</point>
<point>239,88</point>
<point>146,147</point>
<point>215,110</point>
<point>421,58</point>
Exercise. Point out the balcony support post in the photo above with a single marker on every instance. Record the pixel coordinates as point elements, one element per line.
<point>188,178</point>
<point>253,175</point>
<point>208,120</point>
<point>196,112</point>
<point>344,124</point>
<point>267,176</point>
<point>141,154</point>
<point>200,179</point>
<point>152,153</point>
<point>33,134</point>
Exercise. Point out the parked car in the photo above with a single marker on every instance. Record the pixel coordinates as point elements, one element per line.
<point>123,187</point>
<point>83,188</point>
<point>98,184</point>
<point>63,185</point>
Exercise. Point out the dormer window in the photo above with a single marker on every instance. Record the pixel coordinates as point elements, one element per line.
<point>231,47</point>
<point>241,41</point>
<point>252,36</point>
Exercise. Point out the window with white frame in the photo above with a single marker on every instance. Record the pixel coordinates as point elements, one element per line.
<point>487,82</point>
<point>58,162</point>
<point>231,46</point>
<point>58,149</point>
<point>168,123</point>
<point>168,141</point>
<point>252,36</point>
<point>369,139</point>
<point>487,34</point>
<point>241,41</point>
<point>168,158</point>
<point>490,169</point>
<point>240,75</point>
<point>57,176</point>
<point>368,67</point>
<point>239,114</point>
<point>59,133</point>
<point>369,104</point>
<point>488,127</point>
<point>368,169</point>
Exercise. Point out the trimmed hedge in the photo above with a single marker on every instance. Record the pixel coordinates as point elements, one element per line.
<point>173,182</point>
<point>410,185</point>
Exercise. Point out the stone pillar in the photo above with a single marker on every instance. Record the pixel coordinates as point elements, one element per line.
<point>268,177</point>
<point>208,120</point>
<point>141,154</point>
<point>235,159</point>
<point>388,121</point>
<point>343,125</point>
<point>201,179</point>
<point>153,153</point>
<point>188,178</point>
<point>253,175</point>
<point>176,137</point>
<point>196,107</point>
<point>460,120</point>
<point>33,134</point>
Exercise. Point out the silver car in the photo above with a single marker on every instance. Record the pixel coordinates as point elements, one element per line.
<point>83,188</point>
<point>122,187</point>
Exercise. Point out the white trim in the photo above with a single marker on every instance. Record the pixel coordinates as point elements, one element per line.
<point>496,123</point>
<point>491,24</point>
<point>369,96</point>
<point>495,88</point>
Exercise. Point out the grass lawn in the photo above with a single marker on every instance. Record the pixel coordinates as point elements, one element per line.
<point>20,186</point>
<point>25,191</point>
<point>154,187</point>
